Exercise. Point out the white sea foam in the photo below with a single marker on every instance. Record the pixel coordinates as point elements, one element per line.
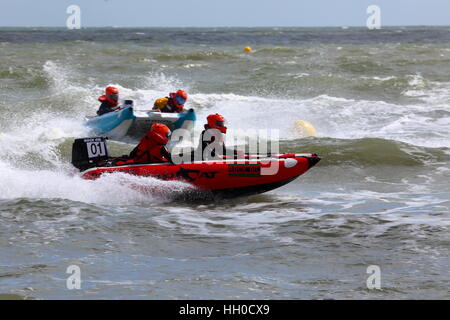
<point>333,117</point>
<point>113,189</point>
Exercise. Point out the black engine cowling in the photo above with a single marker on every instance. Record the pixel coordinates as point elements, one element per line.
<point>88,152</point>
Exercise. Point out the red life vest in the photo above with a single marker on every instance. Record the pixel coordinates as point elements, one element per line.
<point>148,151</point>
<point>103,98</point>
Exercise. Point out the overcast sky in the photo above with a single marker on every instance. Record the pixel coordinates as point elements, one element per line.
<point>212,13</point>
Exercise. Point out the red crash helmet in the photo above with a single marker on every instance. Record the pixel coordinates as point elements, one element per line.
<point>112,95</point>
<point>160,133</point>
<point>179,98</point>
<point>217,121</point>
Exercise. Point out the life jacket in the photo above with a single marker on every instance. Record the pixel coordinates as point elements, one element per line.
<point>106,106</point>
<point>104,99</point>
<point>166,105</point>
<point>148,151</point>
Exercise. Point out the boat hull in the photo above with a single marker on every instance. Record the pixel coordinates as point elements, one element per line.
<point>225,179</point>
<point>134,124</point>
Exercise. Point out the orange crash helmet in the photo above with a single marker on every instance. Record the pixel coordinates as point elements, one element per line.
<point>217,121</point>
<point>179,98</point>
<point>112,95</point>
<point>160,133</point>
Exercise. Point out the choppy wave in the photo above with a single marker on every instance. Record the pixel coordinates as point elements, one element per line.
<point>368,152</point>
<point>199,56</point>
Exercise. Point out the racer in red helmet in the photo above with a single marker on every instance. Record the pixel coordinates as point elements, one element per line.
<point>174,103</point>
<point>151,149</point>
<point>216,121</point>
<point>214,128</point>
<point>110,100</point>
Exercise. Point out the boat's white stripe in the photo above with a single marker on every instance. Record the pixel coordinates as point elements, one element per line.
<point>238,161</point>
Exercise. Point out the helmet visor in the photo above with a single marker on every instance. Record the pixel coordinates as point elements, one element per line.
<point>220,123</point>
<point>168,134</point>
<point>114,97</point>
<point>180,100</point>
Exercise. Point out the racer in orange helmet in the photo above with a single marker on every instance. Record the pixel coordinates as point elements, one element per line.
<point>109,100</point>
<point>174,103</point>
<point>151,149</point>
<point>215,122</point>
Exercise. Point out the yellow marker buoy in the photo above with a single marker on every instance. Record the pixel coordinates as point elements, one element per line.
<point>304,128</point>
<point>248,49</point>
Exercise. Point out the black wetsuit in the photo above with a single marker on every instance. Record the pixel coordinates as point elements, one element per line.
<point>105,107</point>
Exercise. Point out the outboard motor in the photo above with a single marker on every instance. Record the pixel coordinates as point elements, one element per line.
<point>88,152</point>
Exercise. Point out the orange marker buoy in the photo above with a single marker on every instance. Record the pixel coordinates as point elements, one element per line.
<point>248,49</point>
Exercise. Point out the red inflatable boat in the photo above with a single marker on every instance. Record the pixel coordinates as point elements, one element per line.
<point>226,178</point>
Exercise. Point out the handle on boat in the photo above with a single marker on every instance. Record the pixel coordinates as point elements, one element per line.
<point>249,156</point>
<point>190,110</point>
